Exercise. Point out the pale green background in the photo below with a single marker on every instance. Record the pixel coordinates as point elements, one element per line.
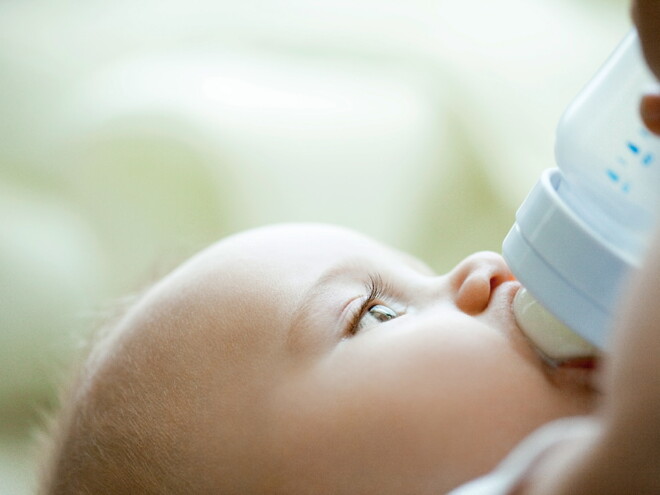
<point>132,133</point>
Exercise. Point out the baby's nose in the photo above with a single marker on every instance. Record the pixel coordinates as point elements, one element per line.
<point>475,278</point>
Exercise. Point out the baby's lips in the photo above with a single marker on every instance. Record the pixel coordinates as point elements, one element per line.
<point>579,371</point>
<point>551,337</point>
<point>586,362</point>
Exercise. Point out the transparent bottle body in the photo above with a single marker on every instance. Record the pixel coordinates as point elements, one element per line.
<point>585,225</point>
<point>609,160</point>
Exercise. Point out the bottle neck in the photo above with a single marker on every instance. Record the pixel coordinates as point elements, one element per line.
<point>563,263</point>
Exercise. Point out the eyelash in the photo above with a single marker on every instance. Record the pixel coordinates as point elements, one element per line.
<point>377,290</point>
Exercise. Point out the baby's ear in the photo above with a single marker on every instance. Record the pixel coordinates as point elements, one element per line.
<point>650,112</point>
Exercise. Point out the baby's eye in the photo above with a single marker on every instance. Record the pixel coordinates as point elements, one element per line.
<point>381,312</point>
<point>378,313</point>
<point>372,312</point>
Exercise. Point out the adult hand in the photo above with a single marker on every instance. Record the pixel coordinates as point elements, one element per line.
<point>646,15</point>
<point>632,406</point>
<point>624,455</point>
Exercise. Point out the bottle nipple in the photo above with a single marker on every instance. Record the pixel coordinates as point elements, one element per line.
<point>550,336</point>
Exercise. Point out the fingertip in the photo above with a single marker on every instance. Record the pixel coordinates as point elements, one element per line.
<point>650,113</point>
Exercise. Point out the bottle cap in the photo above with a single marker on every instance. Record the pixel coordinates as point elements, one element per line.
<point>571,270</point>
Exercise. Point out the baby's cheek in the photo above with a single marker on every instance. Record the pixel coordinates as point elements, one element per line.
<point>450,384</point>
<point>459,363</point>
<point>425,395</point>
<point>342,418</point>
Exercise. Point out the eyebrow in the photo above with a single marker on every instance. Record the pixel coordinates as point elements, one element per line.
<point>320,287</point>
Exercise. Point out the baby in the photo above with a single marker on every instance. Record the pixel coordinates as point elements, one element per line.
<point>309,359</point>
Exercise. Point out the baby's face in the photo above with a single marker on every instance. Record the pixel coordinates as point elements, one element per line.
<point>333,364</point>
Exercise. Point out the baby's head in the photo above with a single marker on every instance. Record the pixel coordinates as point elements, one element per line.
<point>308,359</point>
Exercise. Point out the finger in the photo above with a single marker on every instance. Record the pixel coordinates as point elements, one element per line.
<point>650,112</point>
<point>646,16</point>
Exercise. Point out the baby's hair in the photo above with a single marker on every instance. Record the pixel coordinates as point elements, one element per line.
<point>84,447</point>
<point>55,472</point>
<point>90,447</point>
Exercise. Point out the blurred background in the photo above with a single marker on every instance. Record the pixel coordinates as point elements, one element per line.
<point>133,133</point>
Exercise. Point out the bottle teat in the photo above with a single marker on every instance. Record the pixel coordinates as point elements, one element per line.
<point>550,336</point>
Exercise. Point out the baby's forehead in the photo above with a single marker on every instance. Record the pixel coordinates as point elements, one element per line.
<point>296,244</point>
<point>211,322</point>
<point>218,310</point>
<point>252,283</point>
<point>309,239</point>
<point>254,271</point>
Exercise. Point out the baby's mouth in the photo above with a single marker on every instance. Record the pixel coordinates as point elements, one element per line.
<point>550,337</point>
<point>582,372</point>
<point>565,366</point>
<point>570,372</point>
<point>585,363</point>
<point>581,363</point>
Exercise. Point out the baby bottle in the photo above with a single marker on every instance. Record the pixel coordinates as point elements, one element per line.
<point>586,224</point>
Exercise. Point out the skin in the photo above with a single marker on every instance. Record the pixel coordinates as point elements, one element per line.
<point>646,15</point>
<point>276,396</point>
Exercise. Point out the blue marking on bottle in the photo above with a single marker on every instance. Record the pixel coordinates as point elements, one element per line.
<point>647,160</point>
<point>626,187</point>
<point>633,147</point>
<point>612,175</point>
